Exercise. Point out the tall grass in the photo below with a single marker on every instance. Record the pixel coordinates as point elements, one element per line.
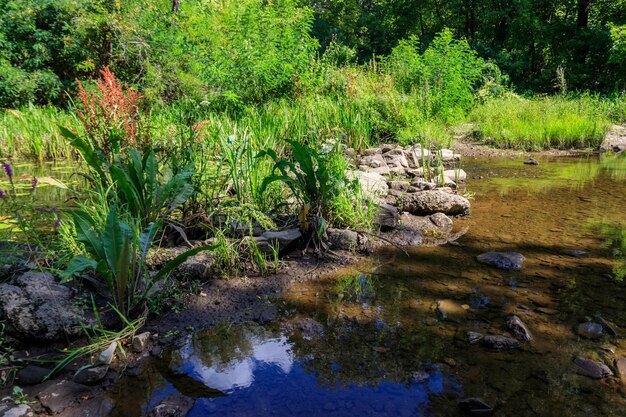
<point>33,133</point>
<point>545,122</point>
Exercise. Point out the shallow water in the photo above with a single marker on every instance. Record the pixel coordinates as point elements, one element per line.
<point>369,341</point>
<point>39,207</point>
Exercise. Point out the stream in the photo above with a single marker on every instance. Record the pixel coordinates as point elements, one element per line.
<point>370,340</point>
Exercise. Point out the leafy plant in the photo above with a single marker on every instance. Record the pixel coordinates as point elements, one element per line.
<point>117,255</point>
<point>136,180</point>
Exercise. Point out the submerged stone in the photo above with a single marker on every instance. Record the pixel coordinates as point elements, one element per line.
<point>499,342</point>
<point>502,260</point>
<point>474,337</point>
<point>450,310</point>
<point>517,327</point>
<point>592,369</point>
<point>475,407</point>
<point>590,330</point>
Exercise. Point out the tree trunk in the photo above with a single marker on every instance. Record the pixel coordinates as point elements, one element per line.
<point>582,21</point>
<point>175,6</point>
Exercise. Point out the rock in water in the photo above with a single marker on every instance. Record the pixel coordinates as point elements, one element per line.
<point>475,407</point>
<point>450,310</point>
<point>592,369</point>
<point>590,330</point>
<point>499,343</point>
<point>517,327</point>
<point>424,203</point>
<point>474,337</point>
<point>502,260</point>
<point>176,405</point>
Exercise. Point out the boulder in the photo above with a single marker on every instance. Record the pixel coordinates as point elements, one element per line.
<point>387,217</point>
<point>592,369</point>
<point>517,327</point>
<point>502,260</point>
<point>429,202</point>
<point>499,342</point>
<point>35,307</point>
<point>441,220</point>
<point>590,330</point>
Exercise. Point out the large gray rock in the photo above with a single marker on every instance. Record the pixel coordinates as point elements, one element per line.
<point>592,369</point>
<point>502,260</point>
<point>35,307</point>
<point>435,201</point>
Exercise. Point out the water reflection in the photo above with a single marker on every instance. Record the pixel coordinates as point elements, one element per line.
<point>286,373</point>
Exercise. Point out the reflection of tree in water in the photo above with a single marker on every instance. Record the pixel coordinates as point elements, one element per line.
<point>225,344</point>
<point>347,353</point>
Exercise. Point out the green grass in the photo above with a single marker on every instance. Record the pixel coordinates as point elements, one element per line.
<point>542,122</point>
<point>32,133</point>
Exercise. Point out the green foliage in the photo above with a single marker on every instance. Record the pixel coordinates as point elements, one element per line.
<point>117,254</point>
<point>137,182</point>
<point>444,76</point>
